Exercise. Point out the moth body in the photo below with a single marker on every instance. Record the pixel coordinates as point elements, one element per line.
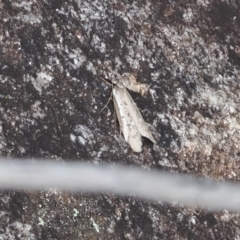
<point>131,122</point>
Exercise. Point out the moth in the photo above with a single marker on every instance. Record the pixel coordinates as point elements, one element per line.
<point>131,122</point>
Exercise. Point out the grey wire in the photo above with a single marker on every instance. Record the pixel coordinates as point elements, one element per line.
<point>120,180</point>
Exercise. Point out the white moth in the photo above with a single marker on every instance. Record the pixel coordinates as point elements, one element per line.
<point>131,122</point>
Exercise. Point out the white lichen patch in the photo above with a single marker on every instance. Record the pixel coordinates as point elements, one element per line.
<point>75,213</point>
<point>29,18</point>
<point>95,225</point>
<point>43,79</point>
<point>84,134</point>
<point>37,111</point>
<point>26,5</point>
<point>41,82</point>
<point>77,57</point>
<point>41,222</point>
<point>21,230</point>
<point>188,15</point>
<point>73,138</point>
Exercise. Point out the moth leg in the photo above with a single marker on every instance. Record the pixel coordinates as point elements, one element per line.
<point>109,99</point>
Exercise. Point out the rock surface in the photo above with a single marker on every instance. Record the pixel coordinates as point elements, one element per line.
<point>53,56</point>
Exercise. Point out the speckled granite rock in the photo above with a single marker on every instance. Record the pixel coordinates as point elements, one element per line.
<point>53,56</point>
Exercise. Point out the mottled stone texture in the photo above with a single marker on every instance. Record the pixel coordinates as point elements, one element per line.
<point>53,56</point>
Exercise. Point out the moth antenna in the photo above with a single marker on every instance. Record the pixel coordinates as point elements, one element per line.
<point>110,84</point>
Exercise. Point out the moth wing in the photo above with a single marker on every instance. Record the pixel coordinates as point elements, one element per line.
<point>127,124</point>
<point>135,140</point>
<point>138,119</point>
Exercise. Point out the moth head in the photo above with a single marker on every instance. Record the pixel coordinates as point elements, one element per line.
<point>143,89</point>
